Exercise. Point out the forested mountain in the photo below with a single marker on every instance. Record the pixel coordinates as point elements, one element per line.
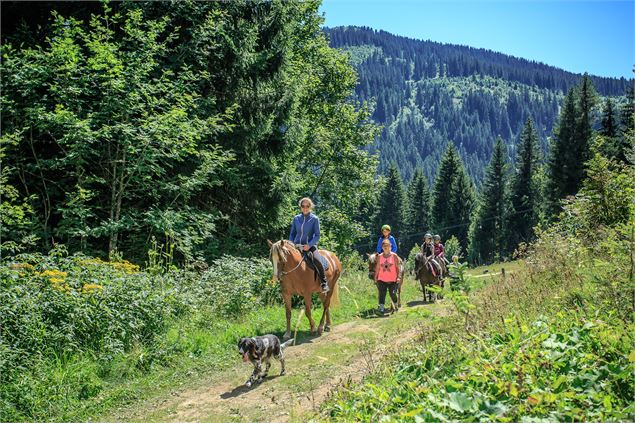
<point>427,94</point>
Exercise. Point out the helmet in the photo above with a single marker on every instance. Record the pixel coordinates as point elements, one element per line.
<point>427,236</point>
<point>385,228</point>
<point>437,237</point>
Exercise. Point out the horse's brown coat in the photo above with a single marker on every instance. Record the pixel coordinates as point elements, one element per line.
<point>296,277</point>
<point>426,278</point>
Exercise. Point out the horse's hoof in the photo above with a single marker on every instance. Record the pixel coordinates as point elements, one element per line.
<point>327,328</point>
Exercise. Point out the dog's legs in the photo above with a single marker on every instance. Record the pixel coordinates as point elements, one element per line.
<point>281,359</point>
<point>255,375</point>
<point>267,366</point>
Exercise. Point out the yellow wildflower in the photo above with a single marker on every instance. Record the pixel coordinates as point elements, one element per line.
<point>91,287</point>
<point>52,274</point>
<point>125,266</point>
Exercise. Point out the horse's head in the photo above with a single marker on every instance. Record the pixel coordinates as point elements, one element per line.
<point>371,265</point>
<point>279,252</point>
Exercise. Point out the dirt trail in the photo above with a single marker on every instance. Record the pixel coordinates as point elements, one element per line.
<point>314,369</point>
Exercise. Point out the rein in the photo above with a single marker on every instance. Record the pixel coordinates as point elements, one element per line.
<point>283,273</point>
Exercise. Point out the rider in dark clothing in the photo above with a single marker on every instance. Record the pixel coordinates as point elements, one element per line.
<point>427,249</point>
<point>305,231</point>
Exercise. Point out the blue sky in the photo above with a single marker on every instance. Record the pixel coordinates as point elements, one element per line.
<point>578,36</point>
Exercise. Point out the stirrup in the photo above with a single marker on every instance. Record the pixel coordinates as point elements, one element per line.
<point>325,288</point>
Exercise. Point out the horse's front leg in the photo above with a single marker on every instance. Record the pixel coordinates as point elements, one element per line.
<point>307,309</point>
<point>287,308</point>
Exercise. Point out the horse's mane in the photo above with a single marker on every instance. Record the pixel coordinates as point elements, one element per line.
<point>281,249</point>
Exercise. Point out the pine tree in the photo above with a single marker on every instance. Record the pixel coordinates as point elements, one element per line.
<point>524,209</point>
<point>609,125</point>
<point>586,100</point>
<point>391,202</point>
<point>418,209</point>
<point>560,157</point>
<point>453,195</point>
<point>488,234</point>
<point>441,192</point>
<point>626,136</point>
<point>461,206</point>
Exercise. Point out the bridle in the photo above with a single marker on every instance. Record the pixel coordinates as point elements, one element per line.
<point>282,273</point>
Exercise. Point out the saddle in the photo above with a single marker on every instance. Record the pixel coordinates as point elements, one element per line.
<point>317,256</point>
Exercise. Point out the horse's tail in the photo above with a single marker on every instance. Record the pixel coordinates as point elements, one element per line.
<point>335,296</point>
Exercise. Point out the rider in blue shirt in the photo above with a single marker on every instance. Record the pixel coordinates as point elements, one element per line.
<point>305,231</point>
<point>385,230</point>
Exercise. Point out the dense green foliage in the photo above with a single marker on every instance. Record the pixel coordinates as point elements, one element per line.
<point>200,123</point>
<point>57,311</point>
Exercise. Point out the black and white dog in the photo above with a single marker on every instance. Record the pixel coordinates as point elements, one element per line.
<point>260,349</point>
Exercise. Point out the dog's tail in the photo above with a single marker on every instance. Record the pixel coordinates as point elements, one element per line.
<point>287,343</point>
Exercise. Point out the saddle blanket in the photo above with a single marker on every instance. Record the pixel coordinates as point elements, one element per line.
<point>323,260</point>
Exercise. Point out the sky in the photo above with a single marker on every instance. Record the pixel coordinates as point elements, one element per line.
<point>579,36</point>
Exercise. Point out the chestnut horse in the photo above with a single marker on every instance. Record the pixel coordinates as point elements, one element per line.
<point>296,277</point>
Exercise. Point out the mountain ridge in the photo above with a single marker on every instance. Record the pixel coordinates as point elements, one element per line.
<point>427,94</point>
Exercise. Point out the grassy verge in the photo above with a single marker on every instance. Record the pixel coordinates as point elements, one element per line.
<point>552,340</point>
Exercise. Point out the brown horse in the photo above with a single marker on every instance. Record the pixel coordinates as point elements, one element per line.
<point>296,277</point>
<point>424,275</point>
<point>371,275</point>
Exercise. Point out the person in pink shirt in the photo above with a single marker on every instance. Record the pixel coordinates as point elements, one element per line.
<point>439,249</point>
<point>387,274</point>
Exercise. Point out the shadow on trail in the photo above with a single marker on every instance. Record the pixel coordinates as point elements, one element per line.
<point>242,389</point>
<point>417,302</point>
<point>372,313</point>
<point>302,337</point>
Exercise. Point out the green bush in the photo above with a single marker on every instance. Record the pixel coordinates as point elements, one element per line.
<point>553,342</point>
<point>234,285</point>
<point>568,367</point>
<point>68,322</point>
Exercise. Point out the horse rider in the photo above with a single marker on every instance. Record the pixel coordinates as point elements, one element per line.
<point>305,231</point>
<point>439,249</point>
<point>428,252</point>
<point>385,230</point>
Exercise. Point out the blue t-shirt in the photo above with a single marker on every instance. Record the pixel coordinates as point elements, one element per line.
<point>393,244</point>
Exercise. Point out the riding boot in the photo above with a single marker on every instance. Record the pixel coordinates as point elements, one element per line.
<point>320,271</point>
<point>317,264</point>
